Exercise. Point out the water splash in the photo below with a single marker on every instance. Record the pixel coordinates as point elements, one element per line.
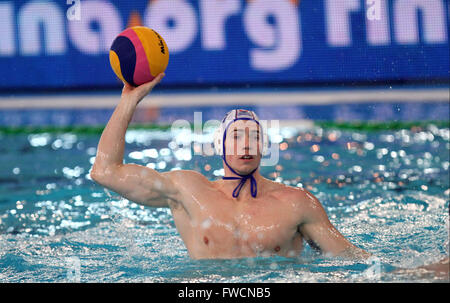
<point>387,192</point>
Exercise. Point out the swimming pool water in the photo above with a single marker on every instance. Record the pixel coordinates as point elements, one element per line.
<point>386,191</point>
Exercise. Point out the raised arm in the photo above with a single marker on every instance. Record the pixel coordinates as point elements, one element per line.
<point>318,231</point>
<point>137,183</point>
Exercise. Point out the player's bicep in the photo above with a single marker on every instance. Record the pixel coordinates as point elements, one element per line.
<point>319,232</point>
<point>324,237</point>
<point>139,184</point>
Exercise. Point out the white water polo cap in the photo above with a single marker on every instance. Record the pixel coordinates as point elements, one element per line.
<point>219,145</point>
<point>233,116</point>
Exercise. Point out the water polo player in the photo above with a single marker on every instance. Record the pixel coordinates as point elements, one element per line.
<point>241,215</point>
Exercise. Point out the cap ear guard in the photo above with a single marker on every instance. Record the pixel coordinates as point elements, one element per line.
<point>265,145</point>
<point>218,137</point>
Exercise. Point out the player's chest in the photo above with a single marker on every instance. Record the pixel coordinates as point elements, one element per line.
<point>258,221</point>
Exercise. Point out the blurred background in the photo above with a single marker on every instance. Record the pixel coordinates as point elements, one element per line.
<point>327,60</point>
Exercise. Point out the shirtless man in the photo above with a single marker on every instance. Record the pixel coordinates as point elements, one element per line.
<point>242,215</point>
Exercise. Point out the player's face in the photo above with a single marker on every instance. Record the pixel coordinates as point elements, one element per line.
<point>243,146</point>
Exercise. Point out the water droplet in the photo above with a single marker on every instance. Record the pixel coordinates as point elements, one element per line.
<point>291,254</point>
<point>206,223</point>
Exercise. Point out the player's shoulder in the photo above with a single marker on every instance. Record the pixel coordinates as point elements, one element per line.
<point>294,195</point>
<point>284,190</point>
<point>185,176</point>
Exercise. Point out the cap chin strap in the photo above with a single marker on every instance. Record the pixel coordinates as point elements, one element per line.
<point>243,178</point>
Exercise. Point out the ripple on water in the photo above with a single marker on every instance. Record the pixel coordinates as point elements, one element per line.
<point>387,192</point>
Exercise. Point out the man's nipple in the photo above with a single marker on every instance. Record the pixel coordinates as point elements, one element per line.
<point>205,240</point>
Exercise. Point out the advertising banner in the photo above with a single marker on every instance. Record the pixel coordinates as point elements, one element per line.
<point>65,43</point>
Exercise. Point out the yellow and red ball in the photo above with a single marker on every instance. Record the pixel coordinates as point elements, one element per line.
<point>138,55</point>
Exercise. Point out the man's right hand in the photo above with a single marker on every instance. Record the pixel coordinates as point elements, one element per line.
<point>136,94</point>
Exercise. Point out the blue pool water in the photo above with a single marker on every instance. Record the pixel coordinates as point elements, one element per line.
<point>386,191</point>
